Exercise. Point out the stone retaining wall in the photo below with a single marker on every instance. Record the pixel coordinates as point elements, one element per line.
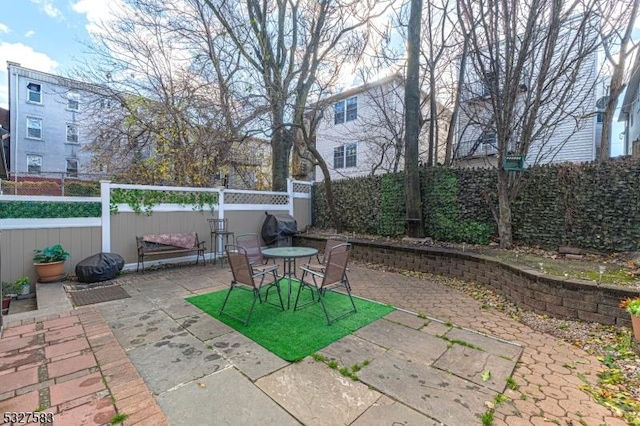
<point>527,288</point>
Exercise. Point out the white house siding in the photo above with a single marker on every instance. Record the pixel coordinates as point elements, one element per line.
<point>53,146</point>
<point>364,131</point>
<point>572,140</point>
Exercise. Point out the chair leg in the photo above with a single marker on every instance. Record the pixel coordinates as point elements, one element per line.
<point>225,299</point>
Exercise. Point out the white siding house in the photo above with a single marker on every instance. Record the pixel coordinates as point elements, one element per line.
<point>630,114</point>
<point>361,131</point>
<point>573,137</point>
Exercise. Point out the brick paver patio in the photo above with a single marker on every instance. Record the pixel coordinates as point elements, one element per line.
<point>69,366</point>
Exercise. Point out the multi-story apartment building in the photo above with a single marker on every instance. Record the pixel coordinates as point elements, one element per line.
<point>361,130</point>
<point>47,132</point>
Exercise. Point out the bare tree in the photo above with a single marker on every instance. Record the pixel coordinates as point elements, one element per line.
<point>618,20</point>
<point>170,105</point>
<point>532,73</point>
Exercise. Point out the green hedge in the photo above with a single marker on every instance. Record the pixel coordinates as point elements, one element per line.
<point>47,210</point>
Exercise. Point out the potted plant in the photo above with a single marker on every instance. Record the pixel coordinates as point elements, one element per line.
<point>633,307</point>
<point>7,292</point>
<point>49,263</point>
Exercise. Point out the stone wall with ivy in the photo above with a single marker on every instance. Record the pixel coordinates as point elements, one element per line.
<point>591,206</point>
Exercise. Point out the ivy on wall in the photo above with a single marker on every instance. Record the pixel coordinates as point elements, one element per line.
<point>440,203</point>
<point>47,210</point>
<point>357,203</point>
<point>392,205</point>
<point>592,206</point>
<point>144,200</point>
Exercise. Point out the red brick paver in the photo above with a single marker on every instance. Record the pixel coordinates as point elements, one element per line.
<point>72,366</point>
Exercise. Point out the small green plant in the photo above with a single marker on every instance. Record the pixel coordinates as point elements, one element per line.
<point>366,362</point>
<point>511,384</point>
<point>631,305</point>
<point>332,364</point>
<point>318,357</point>
<point>50,254</point>
<point>487,418</point>
<point>500,398</point>
<point>118,418</point>
<point>422,316</point>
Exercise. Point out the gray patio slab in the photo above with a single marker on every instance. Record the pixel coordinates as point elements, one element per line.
<point>386,411</point>
<point>161,296</point>
<point>470,364</point>
<point>198,284</point>
<point>177,308</point>
<point>489,344</point>
<point>222,398</point>
<point>204,326</point>
<point>317,395</point>
<point>175,360</point>
<point>246,355</point>
<point>406,319</point>
<point>435,393</point>
<point>118,309</point>
<point>436,328</point>
<point>425,347</point>
<point>352,350</point>
<point>148,327</point>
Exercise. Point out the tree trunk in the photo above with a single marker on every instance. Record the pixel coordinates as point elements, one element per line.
<point>504,206</point>
<point>456,105</point>
<point>415,226</point>
<point>280,153</point>
<point>605,140</point>
<point>331,203</point>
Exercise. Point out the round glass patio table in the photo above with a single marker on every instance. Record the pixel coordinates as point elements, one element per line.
<point>289,256</point>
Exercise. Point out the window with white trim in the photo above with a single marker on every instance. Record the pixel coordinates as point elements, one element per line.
<point>34,93</point>
<point>345,156</point>
<point>72,167</point>
<point>345,110</point>
<point>73,101</point>
<point>34,128</point>
<point>34,163</point>
<point>72,133</point>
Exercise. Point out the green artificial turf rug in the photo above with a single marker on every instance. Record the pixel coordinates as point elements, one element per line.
<point>292,335</point>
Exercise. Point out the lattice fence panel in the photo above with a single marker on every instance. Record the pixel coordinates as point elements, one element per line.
<point>302,187</point>
<point>244,198</point>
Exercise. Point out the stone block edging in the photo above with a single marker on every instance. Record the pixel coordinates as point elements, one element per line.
<point>528,288</point>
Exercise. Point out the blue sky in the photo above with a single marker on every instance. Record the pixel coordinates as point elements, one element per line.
<point>45,34</point>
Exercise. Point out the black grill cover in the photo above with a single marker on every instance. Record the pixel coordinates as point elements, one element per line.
<point>277,227</point>
<point>99,267</point>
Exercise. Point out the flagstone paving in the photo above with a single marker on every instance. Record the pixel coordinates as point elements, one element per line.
<point>159,360</point>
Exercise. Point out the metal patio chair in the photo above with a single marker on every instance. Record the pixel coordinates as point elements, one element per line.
<point>252,244</point>
<point>321,263</point>
<point>333,278</point>
<point>245,279</point>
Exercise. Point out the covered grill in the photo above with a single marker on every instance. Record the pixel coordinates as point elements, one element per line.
<point>277,229</point>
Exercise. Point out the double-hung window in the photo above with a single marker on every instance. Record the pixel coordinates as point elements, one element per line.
<point>34,128</point>
<point>345,110</point>
<point>34,163</point>
<point>73,101</point>
<point>345,156</point>
<point>72,133</point>
<point>34,93</point>
<point>72,167</point>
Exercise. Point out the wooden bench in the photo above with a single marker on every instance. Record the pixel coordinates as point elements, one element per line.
<point>158,244</point>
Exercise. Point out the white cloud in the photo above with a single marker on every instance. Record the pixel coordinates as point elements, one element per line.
<point>4,29</point>
<point>97,12</point>
<point>27,57</point>
<point>48,8</point>
<point>29,33</point>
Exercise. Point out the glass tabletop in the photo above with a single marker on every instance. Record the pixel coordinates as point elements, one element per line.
<point>289,252</point>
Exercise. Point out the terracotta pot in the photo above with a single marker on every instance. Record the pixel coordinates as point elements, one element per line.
<point>5,302</point>
<point>49,272</point>
<point>635,322</point>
